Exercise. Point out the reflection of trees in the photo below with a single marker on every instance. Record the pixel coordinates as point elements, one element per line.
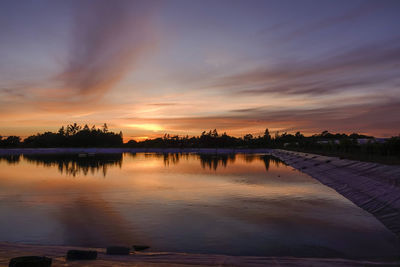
<point>212,161</point>
<point>171,159</point>
<point>250,157</point>
<point>130,155</point>
<point>168,158</point>
<point>10,159</point>
<point>268,159</point>
<point>74,164</point>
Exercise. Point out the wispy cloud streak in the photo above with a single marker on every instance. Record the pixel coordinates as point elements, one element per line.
<point>366,66</point>
<point>364,9</point>
<point>107,39</point>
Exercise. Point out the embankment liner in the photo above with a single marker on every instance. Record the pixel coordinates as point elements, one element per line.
<point>372,186</point>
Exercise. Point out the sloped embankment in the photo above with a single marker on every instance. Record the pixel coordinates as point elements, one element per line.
<point>372,186</point>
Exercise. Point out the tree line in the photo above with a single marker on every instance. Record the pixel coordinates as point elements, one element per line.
<point>334,144</point>
<point>74,135</point>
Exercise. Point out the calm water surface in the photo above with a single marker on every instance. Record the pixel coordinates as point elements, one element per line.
<point>229,204</point>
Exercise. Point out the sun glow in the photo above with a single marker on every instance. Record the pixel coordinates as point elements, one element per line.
<point>147,126</point>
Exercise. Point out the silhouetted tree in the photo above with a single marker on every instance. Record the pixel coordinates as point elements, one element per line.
<point>10,141</point>
<point>105,128</point>
<point>61,131</point>
<point>75,136</point>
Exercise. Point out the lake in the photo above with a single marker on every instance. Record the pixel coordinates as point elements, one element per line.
<point>236,204</point>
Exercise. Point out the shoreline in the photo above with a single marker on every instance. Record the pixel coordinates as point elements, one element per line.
<point>168,259</point>
<point>16,151</point>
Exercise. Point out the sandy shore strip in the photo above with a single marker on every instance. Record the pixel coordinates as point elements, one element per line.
<point>164,259</point>
<point>373,187</point>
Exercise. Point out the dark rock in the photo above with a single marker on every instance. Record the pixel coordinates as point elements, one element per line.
<point>30,261</point>
<point>140,247</point>
<point>81,255</point>
<point>118,250</point>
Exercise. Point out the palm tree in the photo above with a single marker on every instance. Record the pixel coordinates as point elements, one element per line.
<point>73,128</point>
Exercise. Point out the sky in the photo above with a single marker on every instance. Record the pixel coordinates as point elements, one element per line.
<point>180,67</point>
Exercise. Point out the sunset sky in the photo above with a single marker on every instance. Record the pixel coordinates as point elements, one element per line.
<point>180,67</point>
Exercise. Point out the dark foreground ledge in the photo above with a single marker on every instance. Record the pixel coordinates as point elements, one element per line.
<point>373,187</point>
<point>169,259</point>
